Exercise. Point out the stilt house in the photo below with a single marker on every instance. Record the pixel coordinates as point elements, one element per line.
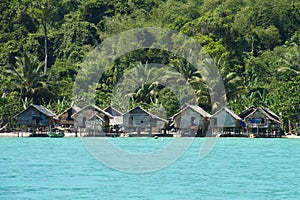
<point>87,113</point>
<point>225,121</point>
<point>139,120</point>
<point>191,120</point>
<point>36,117</point>
<point>261,121</point>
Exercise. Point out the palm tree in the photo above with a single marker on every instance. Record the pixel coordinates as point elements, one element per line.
<point>27,78</point>
<point>234,85</point>
<point>184,68</point>
<point>191,77</point>
<point>202,92</point>
<point>137,86</point>
<point>291,60</point>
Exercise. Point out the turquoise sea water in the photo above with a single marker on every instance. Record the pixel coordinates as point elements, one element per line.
<point>61,168</point>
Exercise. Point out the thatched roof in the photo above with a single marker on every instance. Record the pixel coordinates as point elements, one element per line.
<point>93,107</point>
<point>95,116</point>
<point>113,111</point>
<point>265,111</point>
<point>73,108</point>
<point>247,112</point>
<point>271,113</point>
<point>196,108</point>
<point>145,111</point>
<point>41,109</point>
<point>229,112</point>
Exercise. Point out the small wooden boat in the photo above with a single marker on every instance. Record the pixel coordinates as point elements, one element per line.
<point>56,132</point>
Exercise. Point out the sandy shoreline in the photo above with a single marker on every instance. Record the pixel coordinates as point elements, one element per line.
<point>9,135</point>
<point>26,134</point>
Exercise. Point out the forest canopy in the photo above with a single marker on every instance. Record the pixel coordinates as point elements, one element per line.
<point>254,44</point>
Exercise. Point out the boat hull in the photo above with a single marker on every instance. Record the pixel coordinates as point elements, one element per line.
<point>56,135</point>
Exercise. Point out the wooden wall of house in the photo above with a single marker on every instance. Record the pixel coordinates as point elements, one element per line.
<point>157,125</point>
<point>256,115</point>
<point>65,119</point>
<point>95,125</point>
<point>137,119</point>
<point>266,123</point>
<point>184,119</point>
<point>32,117</point>
<point>223,119</point>
<point>84,115</point>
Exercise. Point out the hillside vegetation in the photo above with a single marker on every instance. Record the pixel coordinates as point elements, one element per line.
<point>255,45</point>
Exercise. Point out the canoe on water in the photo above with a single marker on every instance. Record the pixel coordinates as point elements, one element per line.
<point>56,133</point>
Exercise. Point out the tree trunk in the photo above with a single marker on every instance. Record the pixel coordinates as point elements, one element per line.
<point>46,45</point>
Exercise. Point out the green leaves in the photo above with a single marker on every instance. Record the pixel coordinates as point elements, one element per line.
<point>254,44</point>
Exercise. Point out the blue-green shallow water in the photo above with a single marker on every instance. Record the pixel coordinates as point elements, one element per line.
<point>45,168</point>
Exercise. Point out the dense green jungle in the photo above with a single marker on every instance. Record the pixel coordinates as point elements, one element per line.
<point>254,44</point>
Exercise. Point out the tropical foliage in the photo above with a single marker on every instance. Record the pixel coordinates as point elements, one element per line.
<point>254,44</point>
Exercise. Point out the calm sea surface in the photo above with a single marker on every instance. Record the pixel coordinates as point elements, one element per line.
<point>61,168</point>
